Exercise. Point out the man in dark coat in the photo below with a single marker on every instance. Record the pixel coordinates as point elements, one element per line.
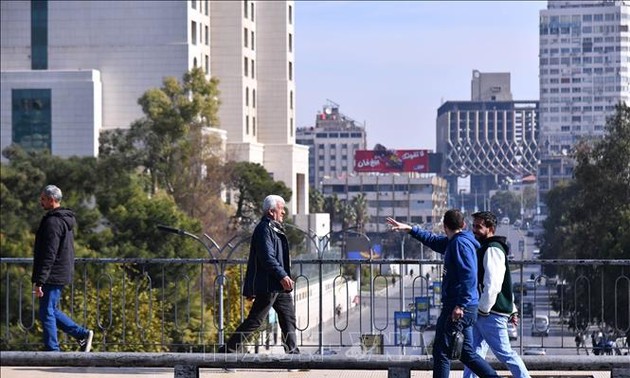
<point>268,279</point>
<point>53,268</point>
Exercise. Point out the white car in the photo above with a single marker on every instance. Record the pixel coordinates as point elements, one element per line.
<point>505,220</point>
<point>540,325</point>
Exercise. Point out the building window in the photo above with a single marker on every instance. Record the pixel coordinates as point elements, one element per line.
<point>193,32</point>
<point>195,62</point>
<point>245,8</point>
<point>254,126</point>
<point>39,35</point>
<point>290,42</point>
<point>245,66</point>
<point>290,15</point>
<point>246,96</point>
<point>252,11</point>
<point>291,126</point>
<point>31,119</point>
<point>193,3</point>
<point>253,98</point>
<point>291,100</point>
<point>207,33</point>
<point>253,40</point>
<point>205,7</point>
<point>207,64</point>
<point>290,70</point>
<point>246,125</point>
<point>245,36</point>
<point>253,69</point>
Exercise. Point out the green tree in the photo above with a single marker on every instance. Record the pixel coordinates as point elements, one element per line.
<point>315,201</point>
<point>506,204</point>
<point>360,209</point>
<point>588,216</point>
<point>333,206</point>
<point>252,183</point>
<point>174,116</point>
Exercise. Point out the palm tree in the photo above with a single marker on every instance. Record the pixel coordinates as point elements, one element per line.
<point>359,205</point>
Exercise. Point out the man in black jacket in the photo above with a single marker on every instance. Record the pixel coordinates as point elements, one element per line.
<point>53,267</point>
<point>268,279</point>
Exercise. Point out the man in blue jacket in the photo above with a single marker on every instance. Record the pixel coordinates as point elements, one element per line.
<point>460,297</point>
<point>53,267</point>
<point>268,279</point>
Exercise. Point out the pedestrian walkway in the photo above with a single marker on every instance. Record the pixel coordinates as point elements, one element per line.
<point>92,372</point>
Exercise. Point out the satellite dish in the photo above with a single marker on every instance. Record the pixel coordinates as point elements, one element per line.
<point>327,110</point>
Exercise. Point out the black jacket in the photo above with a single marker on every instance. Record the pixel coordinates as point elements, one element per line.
<point>53,254</point>
<point>268,261</point>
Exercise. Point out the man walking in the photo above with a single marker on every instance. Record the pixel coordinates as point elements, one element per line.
<point>460,297</point>
<point>496,301</point>
<point>268,279</point>
<point>53,267</point>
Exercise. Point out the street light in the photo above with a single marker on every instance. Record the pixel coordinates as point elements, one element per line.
<point>220,275</point>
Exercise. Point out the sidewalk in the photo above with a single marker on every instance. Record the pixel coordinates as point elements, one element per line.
<point>88,372</point>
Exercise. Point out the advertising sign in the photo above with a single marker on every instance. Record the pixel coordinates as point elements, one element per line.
<point>421,309</point>
<point>437,292</point>
<point>385,161</point>
<point>402,328</point>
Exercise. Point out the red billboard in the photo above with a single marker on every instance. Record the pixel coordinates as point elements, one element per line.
<point>385,161</point>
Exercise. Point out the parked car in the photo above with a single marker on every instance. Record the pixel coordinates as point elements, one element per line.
<point>530,284</point>
<point>527,310</point>
<point>505,221</point>
<point>540,325</point>
<point>517,286</point>
<point>512,331</point>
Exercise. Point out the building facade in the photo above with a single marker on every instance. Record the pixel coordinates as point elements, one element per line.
<point>584,72</point>
<point>332,143</point>
<point>408,197</point>
<point>73,69</point>
<point>488,140</point>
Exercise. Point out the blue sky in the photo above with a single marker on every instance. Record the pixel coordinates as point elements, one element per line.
<point>391,64</point>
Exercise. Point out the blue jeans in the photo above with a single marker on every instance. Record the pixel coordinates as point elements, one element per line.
<point>52,317</point>
<point>441,345</point>
<point>491,331</point>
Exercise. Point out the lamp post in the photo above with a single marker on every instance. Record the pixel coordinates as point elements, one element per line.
<point>218,271</point>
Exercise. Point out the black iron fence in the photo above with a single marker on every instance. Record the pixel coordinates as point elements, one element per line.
<point>343,306</point>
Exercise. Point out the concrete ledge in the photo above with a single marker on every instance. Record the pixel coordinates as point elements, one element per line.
<point>188,364</point>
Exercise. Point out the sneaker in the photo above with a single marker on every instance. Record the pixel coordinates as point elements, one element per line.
<point>86,343</point>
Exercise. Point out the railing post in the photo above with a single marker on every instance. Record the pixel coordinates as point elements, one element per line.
<point>398,372</point>
<point>186,371</point>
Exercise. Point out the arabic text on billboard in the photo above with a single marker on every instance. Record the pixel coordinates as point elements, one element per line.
<point>391,161</point>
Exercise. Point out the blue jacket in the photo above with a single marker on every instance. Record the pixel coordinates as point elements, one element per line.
<point>269,260</point>
<point>459,281</point>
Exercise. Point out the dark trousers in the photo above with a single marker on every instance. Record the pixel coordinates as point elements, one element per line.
<point>441,345</point>
<point>283,304</point>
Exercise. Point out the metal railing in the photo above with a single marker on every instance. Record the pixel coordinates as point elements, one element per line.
<point>177,305</point>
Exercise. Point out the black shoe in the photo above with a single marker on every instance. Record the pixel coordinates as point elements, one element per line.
<point>86,343</point>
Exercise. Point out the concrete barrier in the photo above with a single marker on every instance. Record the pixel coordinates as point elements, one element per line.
<point>186,365</point>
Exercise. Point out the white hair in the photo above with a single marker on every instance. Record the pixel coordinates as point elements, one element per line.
<point>271,201</point>
<point>52,191</point>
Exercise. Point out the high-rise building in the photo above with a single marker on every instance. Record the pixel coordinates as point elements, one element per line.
<point>416,198</point>
<point>584,72</point>
<point>332,143</point>
<point>491,138</point>
<point>71,69</point>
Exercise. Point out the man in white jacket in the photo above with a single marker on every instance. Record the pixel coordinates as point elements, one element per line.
<point>496,301</point>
